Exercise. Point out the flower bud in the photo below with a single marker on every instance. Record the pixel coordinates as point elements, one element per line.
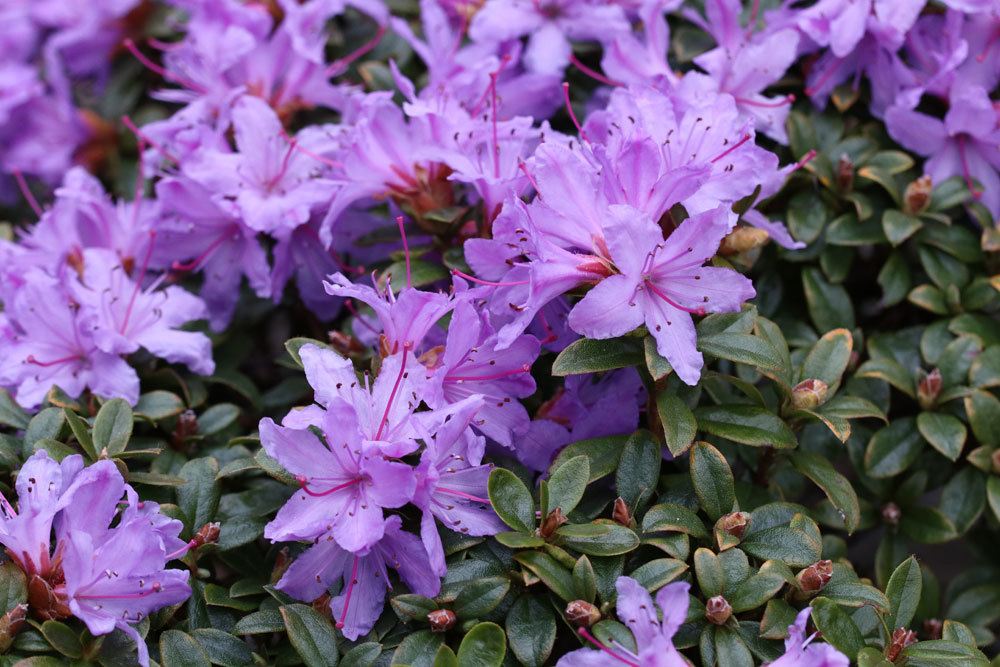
<point>845,173</point>
<point>207,534</point>
<point>734,523</point>
<point>322,604</point>
<point>582,614</point>
<point>555,519</point>
<point>901,638</point>
<point>718,610</point>
<point>10,624</point>
<point>815,577</point>
<point>186,427</point>
<point>995,459</point>
<point>933,628</point>
<point>441,620</point>
<point>891,514</point>
<point>345,344</point>
<point>620,512</point>
<point>929,388</point>
<point>809,394</point>
<point>47,604</point>
<point>917,195</point>
<point>743,239</point>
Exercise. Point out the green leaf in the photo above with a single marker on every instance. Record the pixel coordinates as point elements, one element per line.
<point>836,487</point>
<point>445,657</point>
<point>985,370</point>
<point>837,627</point>
<point>903,591</point>
<point>62,638</point>
<point>584,579</point>
<point>567,484</point>
<point>657,573</point>
<point>531,630</point>
<point>983,410</point>
<point>261,622</point>
<point>113,427</point>
<point>11,413</point>
<point>418,649</point>
<point>730,649</point>
<point>595,356</point>
<point>598,539</point>
<point>656,364</point>
<point>178,649</point>
<point>829,305</point>
<point>362,655</point>
<point>81,431</point>
<point>828,358</point>
<point>480,597</point>
<point>679,424</point>
<point>46,425</point>
<point>746,424</point>
<point>485,645</point>
<point>223,648</point>
<point>709,573</point>
<point>899,226</point>
<point>311,634</point>
<point>638,471</point>
<point>159,404</point>
<point>217,417</point>
<point>13,586</point>
<point>806,217</point>
<point>511,500</point>
<point>927,525</point>
<point>603,454</point>
<point>894,279</point>
<point>518,540</point>
<point>790,545</point>
<point>946,433</point>
<point>938,652</point>
<point>760,587</point>
<point>741,348</point>
<point>993,495</point>
<point>293,345</point>
<point>545,567</point>
<point>712,480</point>
<point>893,449</point>
<point>675,518</point>
<point>198,497</point>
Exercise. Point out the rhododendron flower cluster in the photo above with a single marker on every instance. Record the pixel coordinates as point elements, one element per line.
<point>568,289</point>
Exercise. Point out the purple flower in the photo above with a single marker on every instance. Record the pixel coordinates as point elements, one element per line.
<point>963,144</point>
<point>108,577</point>
<point>53,346</point>
<point>653,636</point>
<point>196,234</point>
<point>802,652</point>
<point>123,316</point>
<point>364,575</point>
<point>471,365</point>
<point>451,484</point>
<point>551,24</point>
<point>633,61</point>
<point>404,320</point>
<point>346,480</point>
<point>663,282</point>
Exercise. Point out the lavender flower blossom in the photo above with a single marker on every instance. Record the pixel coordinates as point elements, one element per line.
<point>802,652</point>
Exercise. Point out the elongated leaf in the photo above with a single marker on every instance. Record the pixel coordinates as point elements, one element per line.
<point>485,645</point>
<point>595,356</point>
<point>311,634</point>
<point>568,483</point>
<point>903,591</point>
<point>836,487</point>
<point>531,630</point>
<point>113,427</point>
<point>746,424</point>
<point>511,500</point>
<point>894,448</point>
<point>679,424</point>
<point>712,479</point>
<point>199,496</point>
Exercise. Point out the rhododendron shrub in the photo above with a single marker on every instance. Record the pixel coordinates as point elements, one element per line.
<point>500,332</point>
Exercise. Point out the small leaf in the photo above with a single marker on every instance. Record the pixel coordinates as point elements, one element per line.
<point>903,591</point>
<point>708,570</point>
<point>603,454</point>
<point>263,622</point>
<point>638,471</point>
<point>223,648</point>
<point>545,567</point>
<point>829,305</point>
<point>198,497</point>
<point>531,630</point>
<point>485,645</point>
<point>159,404</point>
<point>62,638</point>
<point>311,634</point>
<point>568,483</point>
<point>11,413</point>
<point>898,226</point>
<point>480,597</point>
<point>791,546</point>
<point>598,539</point>
<point>677,518</point>
<point>946,433</point>
<point>893,449</point>
<point>596,356</point>
<point>81,431</point>
<point>746,424</point>
<point>837,627</point>
<point>418,649</point>
<point>741,348</point>
<point>712,480</point>
<point>217,417</point>
<point>828,358</point>
<point>113,427</point>
<point>836,487</point>
<point>511,500</point>
<point>178,649</point>
<point>679,424</point>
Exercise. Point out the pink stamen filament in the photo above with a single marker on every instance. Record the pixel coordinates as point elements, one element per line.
<point>784,101</point>
<point>483,378</point>
<point>349,305</point>
<point>806,159</point>
<point>305,151</point>
<point>55,362</point>
<point>593,640</point>
<point>745,138</point>
<point>127,122</point>
<point>989,44</point>
<point>827,75</point>
<point>304,485</point>
<point>523,166</point>
<point>593,74</point>
<point>655,290</point>
<point>155,588</point>
<point>22,185</point>
<point>462,494</point>
<point>200,259</point>
<point>347,596</point>
<point>966,174</point>
<point>479,281</point>
<point>572,115</point>
<point>285,161</point>
<point>156,69</point>
<point>496,141</point>
<point>191,544</point>
<point>138,283</point>
<point>754,10</point>
<point>345,62</point>
<point>140,182</point>
<point>406,250</point>
<point>395,388</point>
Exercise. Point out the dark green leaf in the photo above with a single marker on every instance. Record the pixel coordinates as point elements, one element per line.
<point>746,424</point>
<point>531,630</point>
<point>511,500</point>
<point>568,483</point>
<point>829,305</point>
<point>485,645</point>
<point>198,497</point>
<point>712,480</point>
<point>595,356</point>
<point>679,424</point>
<point>836,487</point>
<point>893,449</point>
<point>598,539</point>
<point>178,649</point>
<point>480,597</point>
<point>638,471</point>
<point>837,627</point>
<point>113,427</point>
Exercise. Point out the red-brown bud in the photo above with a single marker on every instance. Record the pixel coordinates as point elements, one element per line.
<point>46,603</point>
<point>734,523</point>
<point>933,628</point>
<point>718,610</point>
<point>582,614</point>
<point>815,577</point>
<point>620,513</point>
<point>10,624</point>
<point>929,388</point>
<point>995,459</point>
<point>918,195</point>
<point>552,522</point>
<point>901,638</point>
<point>891,514</point>
<point>186,427</point>
<point>809,394</point>
<point>845,173</point>
<point>207,534</point>
<point>441,620</point>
